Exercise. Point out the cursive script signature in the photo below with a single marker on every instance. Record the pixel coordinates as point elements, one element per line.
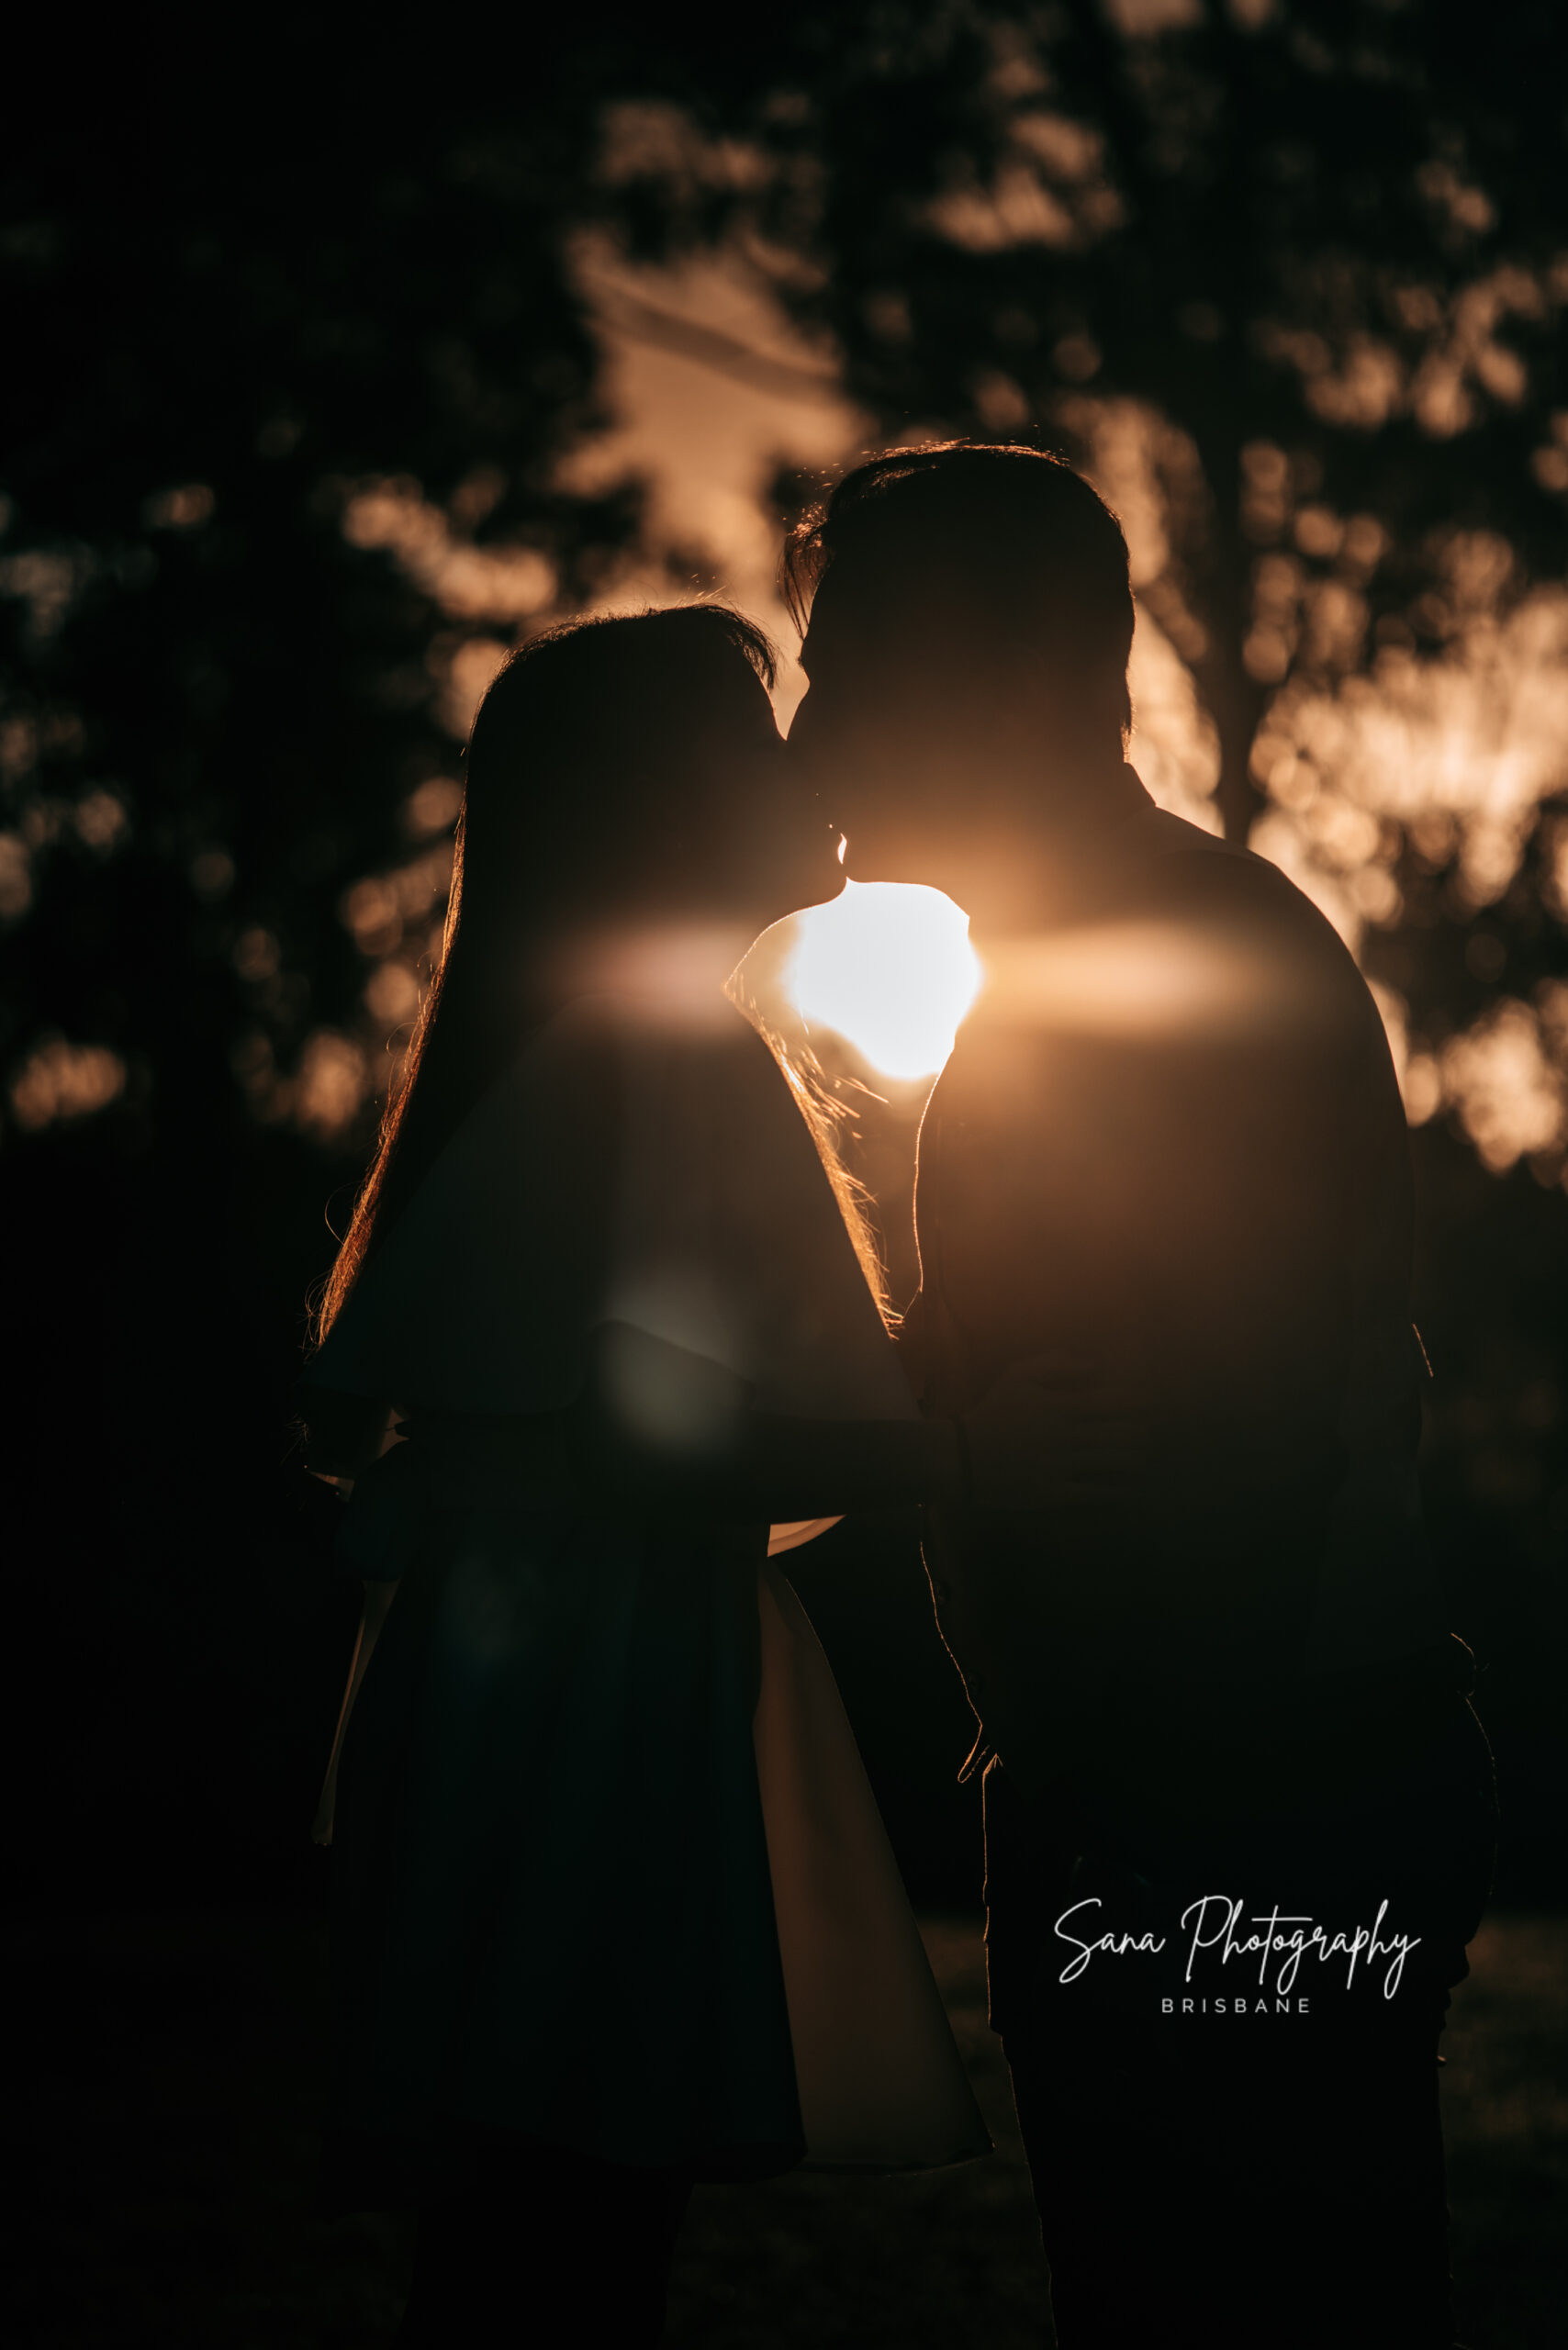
<point>1215,1922</point>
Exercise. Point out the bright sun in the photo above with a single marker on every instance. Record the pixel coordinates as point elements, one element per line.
<point>887,966</point>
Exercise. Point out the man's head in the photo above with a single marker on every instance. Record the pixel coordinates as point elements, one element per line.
<point>970,619</point>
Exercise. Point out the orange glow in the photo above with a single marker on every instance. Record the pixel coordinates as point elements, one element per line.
<point>888,967</point>
<point>1122,979</point>
<point>668,976</point>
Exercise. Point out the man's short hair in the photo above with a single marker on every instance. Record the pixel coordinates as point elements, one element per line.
<point>1021,541</point>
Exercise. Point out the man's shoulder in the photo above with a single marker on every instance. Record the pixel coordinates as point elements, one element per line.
<point>1196,954</point>
<point>1187,859</point>
<point>1191,877</point>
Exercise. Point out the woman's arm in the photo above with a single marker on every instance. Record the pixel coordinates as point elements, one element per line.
<point>659,1427</point>
<point>344,1434</point>
<point>378,1598</point>
<point>785,1469</point>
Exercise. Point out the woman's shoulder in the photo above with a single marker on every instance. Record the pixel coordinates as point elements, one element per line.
<point>558,1098</point>
<point>582,1044</point>
<point>610,1034</point>
<point>706,1061</point>
<point>600,1073</point>
<point>482,1292</point>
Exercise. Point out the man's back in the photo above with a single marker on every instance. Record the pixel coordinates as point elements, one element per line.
<point>1190,1164</point>
<point>1170,1138</point>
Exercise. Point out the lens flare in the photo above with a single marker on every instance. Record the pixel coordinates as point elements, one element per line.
<point>888,967</point>
<point>1129,979</point>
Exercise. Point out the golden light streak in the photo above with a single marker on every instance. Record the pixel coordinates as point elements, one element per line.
<point>1124,980</point>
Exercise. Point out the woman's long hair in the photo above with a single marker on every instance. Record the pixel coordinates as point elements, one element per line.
<point>827,1116</point>
<point>575,766</point>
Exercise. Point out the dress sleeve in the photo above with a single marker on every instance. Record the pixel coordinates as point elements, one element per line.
<point>486,1293</point>
<point>620,1173</point>
<point>729,1239</point>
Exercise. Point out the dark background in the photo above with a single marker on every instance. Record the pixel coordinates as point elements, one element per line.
<point>257,265</point>
<point>247,272</point>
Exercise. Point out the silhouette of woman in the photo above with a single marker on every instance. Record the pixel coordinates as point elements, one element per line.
<point>614,1909</point>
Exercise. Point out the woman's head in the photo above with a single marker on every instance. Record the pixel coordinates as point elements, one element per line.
<point>628,770</point>
<point>624,776</point>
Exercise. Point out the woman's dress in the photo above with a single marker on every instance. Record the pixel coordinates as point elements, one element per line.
<point>608,1873</point>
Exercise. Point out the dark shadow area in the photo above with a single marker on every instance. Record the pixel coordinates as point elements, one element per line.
<point>165,2151</point>
<point>233,319</point>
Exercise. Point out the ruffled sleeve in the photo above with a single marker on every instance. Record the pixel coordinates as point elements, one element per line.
<point>484,1294</point>
<point>730,1241</point>
<point>621,1173</point>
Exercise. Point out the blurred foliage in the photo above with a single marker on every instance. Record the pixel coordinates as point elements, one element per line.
<point>297,356</point>
<point>217,704</point>
<point>222,710</point>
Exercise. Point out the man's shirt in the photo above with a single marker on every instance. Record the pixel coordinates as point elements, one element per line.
<point>1171,1139</point>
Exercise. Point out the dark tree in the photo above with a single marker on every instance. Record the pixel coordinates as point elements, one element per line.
<point>296,351</point>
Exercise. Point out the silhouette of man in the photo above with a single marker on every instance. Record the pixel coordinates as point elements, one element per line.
<point>1169,1149</point>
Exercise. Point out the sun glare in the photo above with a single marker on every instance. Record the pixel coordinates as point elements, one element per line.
<point>888,967</point>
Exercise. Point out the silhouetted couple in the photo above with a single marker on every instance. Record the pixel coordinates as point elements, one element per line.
<point>615,1911</point>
